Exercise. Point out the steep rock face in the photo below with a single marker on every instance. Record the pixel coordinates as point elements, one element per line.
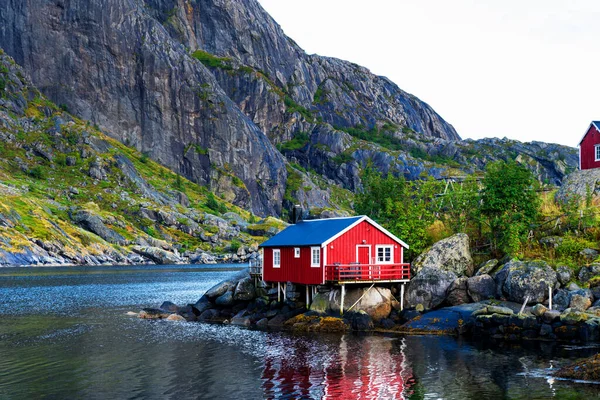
<point>112,63</point>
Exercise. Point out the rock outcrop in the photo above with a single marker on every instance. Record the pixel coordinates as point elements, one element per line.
<point>579,184</point>
<point>530,280</point>
<point>429,287</point>
<point>377,302</point>
<point>451,254</point>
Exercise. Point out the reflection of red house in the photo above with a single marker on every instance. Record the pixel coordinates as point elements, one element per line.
<point>589,147</point>
<point>369,368</point>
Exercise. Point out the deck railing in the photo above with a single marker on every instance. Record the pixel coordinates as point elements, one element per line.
<point>367,272</point>
<point>255,267</point>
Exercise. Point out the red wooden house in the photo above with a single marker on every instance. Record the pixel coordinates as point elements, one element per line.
<point>589,147</point>
<point>334,251</point>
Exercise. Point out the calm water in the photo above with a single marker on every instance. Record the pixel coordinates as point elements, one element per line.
<point>64,335</point>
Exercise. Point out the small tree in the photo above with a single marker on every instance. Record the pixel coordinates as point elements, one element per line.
<point>510,204</point>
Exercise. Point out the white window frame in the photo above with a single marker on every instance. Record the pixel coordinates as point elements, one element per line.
<point>312,257</point>
<point>278,264</point>
<point>296,252</point>
<point>383,247</point>
<point>597,152</point>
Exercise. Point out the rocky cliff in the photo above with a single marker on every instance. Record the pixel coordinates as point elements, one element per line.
<point>71,195</point>
<point>215,91</point>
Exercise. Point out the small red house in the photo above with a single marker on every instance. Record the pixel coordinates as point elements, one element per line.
<point>589,147</point>
<point>335,250</point>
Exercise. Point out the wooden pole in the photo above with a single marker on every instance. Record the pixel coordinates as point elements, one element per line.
<point>524,304</point>
<point>342,300</point>
<point>285,291</point>
<point>307,297</point>
<point>550,298</point>
<point>402,297</point>
<point>278,292</point>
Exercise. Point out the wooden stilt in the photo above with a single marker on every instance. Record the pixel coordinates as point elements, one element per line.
<point>278,292</point>
<point>342,300</point>
<point>307,297</point>
<point>550,298</point>
<point>285,291</point>
<point>402,297</point>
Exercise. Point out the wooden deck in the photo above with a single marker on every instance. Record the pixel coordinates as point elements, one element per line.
<point>367,273</point>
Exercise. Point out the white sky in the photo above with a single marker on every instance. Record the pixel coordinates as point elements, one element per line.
<point>524,69</point>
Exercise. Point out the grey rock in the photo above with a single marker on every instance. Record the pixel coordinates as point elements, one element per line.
<point>450,254</point>
<point>220,288</point>
<point>551,316</point>
<point>581,299</point>
<point>577,184</point>
<point>428,287</point>
<point>588,272</point>
<point>93,223</point>
<point>545,330</point>
<point>457,292</point>
<point>487,267</point>
<point>572,287</point>
<point>589,254</point>
<point>482,287</point>
<point>551,241</point>
<point>226,299</point>
<point>262,323</point>
<point>170,307</point>
<point>159,256</point>
<point>529,279</point>
<point>561,299</point>
<point>564,274</point>
<point>538,310</point>
<point>244,290</point>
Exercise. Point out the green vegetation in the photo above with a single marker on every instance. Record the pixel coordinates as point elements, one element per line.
<point>212,61</point>
<point>343,158</point>
<point>503,213</point>
<point>510,204</point>
<point>299,140</point>
<point>293,184</point>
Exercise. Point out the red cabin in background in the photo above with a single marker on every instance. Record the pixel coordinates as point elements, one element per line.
<point>589,147</point>
<point>335,250</point>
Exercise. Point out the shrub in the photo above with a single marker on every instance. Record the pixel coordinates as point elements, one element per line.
<point>234,246</point>
<point>212,61</point>
<point>37,172</point>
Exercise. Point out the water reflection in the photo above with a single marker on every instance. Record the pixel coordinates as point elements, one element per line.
<point>369,368</point>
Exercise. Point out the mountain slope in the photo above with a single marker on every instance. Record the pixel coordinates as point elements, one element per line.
<point>127,66</point>
<point>70,194</point>
<point>215,91</point>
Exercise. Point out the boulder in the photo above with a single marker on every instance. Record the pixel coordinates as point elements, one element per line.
<point>159,256</point>
<point>451,254</point>
<point>226,299</point>
<point>572,287</point>
<point>219,289</point>
<point>457,292</point>
<point>175,317</point>
<point>482,287</point>
<point>244,290</point>
<point>576,185</point>
<point>589,254</point>
<point>528,279</point>
<point>361,321</point>
<point>487,267</point>
<point>586,273</point>
<point>561,299</point>
<point>551,241</point>
<point>93,223</point>
<point>375,301</point>
<point>170,307</point>
<point>499,279</point>
<point>153,313</point>
<point>551,316</point>
<point>538,310</point>
<point>581,299</point>
<point>564,274</point>
<point>262,323</point>
<point>429,286</point>
<point>242,321</point>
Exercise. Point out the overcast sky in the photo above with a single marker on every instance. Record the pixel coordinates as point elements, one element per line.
<point>524,69</point>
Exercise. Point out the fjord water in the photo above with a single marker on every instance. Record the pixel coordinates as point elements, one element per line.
<point>64,334</point>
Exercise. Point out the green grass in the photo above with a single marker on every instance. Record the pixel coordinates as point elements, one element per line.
<point>212,61</point>
<point>299,141</point>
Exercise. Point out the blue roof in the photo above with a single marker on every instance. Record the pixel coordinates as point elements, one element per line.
<point>310,233</point>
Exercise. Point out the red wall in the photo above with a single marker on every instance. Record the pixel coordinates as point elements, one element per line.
<point>587,150</point>
<point>344,247</point>
<point>295,270</point>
